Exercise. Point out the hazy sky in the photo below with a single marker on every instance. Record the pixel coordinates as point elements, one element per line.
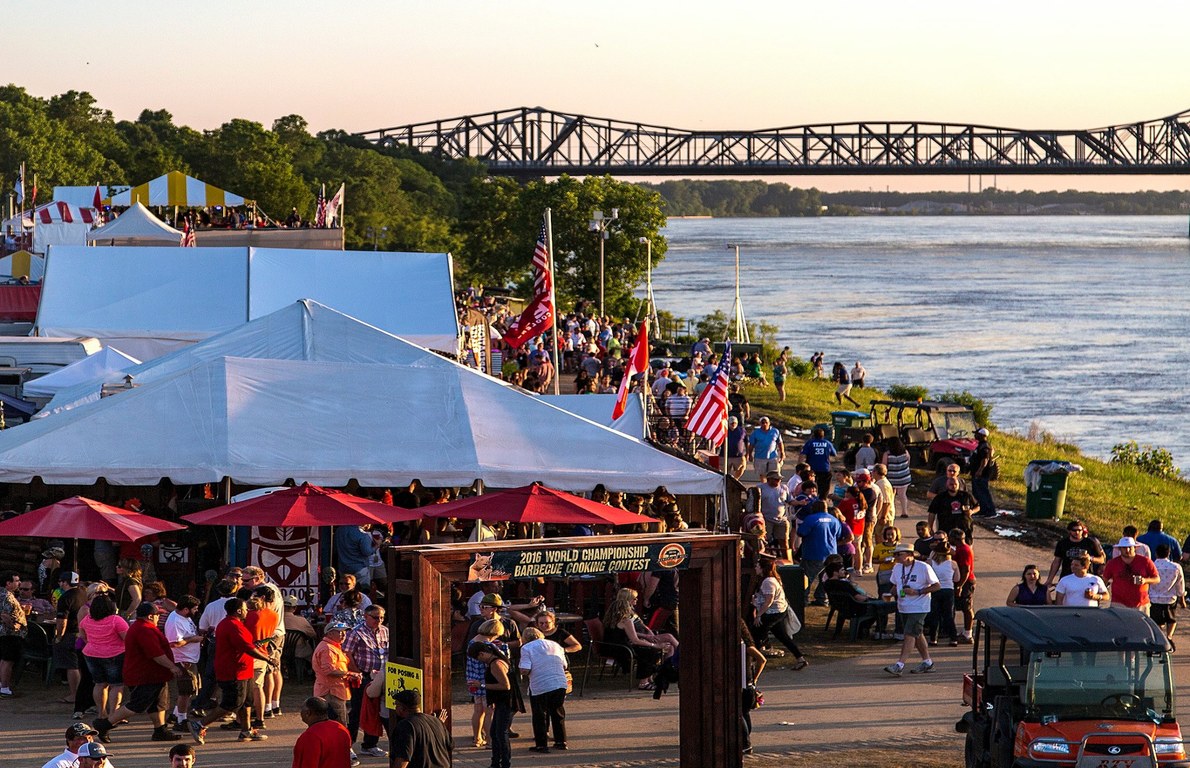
<point>366,64</point>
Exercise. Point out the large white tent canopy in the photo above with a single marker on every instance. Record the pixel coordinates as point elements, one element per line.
<point>176,188</point>
<point>261,422</point>
<point>136,226</point>
<point>598,408</point>
<point>302,330</point>
<point>151,301</point>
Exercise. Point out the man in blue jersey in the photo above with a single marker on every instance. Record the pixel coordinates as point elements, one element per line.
<point>818,452</point>
<point>819,534</point>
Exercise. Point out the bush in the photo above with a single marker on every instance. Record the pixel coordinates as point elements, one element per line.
<point>983,411</point>
<point>799,368</point>
<point>909,392</point>
<point>1152,460</point>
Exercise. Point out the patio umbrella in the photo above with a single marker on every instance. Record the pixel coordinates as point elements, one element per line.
<point>82,518</point>
<point>304,506</point>
<point>535,504</point>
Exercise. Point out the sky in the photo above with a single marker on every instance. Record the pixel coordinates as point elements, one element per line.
<point>369,64</point>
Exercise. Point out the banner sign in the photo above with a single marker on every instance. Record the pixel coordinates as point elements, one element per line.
<point>289,558</point>
<point>397,678</point>
<point>581,561</point>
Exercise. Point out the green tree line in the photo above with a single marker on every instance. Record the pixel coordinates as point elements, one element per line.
<point>396,199</point>
<point>733,198</point>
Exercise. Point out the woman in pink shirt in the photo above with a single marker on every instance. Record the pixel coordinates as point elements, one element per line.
<point>103,630</point>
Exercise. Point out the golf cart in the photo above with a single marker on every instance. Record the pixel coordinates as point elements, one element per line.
<point>935,433</point>
<point>1066,687</point>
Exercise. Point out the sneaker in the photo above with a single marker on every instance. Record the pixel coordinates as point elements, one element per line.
<point>182,726</point>
<point>561,745</point>
<point>513,735</point>
<point>954,643</point>
<point>103,726</point>
<point>898,636</point>
<point>276,711</point>
<point>965,640</point>
<point>895,669</point>
<point>197,731</point>
<point>543,750</point>
<point>268,714</point>
<point>925,666</point>
<point>252,735</point>
<point>230,725</point>
<point>165,734</point>
<point>373,752</point>
<point>6,692</point>
<point>354,759</point>
<point>257,724</point>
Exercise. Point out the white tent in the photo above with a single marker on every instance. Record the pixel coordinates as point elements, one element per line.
<point>24,263</point>
<point>260,422</point>
<point>151,301</point>
<point>598,408</point>
<point>302,330</point>
<point>106,365</point>
<point>136,226</point>
<point>55,223</point>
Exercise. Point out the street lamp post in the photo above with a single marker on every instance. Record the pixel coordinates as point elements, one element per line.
<point>599,224</point>
<point>650,304</point>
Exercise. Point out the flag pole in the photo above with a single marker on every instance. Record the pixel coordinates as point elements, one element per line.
<point>549,235</point>
<point>723,516</point>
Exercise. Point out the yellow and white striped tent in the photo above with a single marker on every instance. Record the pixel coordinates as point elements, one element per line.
<point>24,263</point>
<point>176,188</point>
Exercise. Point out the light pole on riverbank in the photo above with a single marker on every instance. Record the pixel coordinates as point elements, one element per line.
<point>599,224</point>
<point>741,325</point>
<point>651,306</point>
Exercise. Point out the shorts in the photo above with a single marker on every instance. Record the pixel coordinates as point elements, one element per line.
<point>913,624</point>
<point>780,530</point>
<point>234,694</point>
<point>64,653</point>
<point>336,708</point>
<point>106,671</point>
<point>259,667</point>
<point>963,595</point>
<point>843,390</point>
<point>188,683</point>
<point>10,648</point>
<point>1164,614</point>
<point>152,697</point>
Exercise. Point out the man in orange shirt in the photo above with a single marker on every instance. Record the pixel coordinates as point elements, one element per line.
<point>262,623</point>
<point>333,677</point>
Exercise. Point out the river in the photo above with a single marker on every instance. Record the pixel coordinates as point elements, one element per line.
<point>1076,323</point>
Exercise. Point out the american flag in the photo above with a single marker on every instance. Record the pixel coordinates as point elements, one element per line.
<point>709,417</point>
<point>320,209</point>
<point>187,235</point>
<point>543,281</point>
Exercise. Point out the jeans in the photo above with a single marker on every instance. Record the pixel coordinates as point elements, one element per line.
<point>775,623</point>
<point>501,746</point>
<point>207,692</point>
<point>983,494</point>
<point>813,569</point>
<point>549,708</point>
<point>941,619</point>
<point>336,708</point>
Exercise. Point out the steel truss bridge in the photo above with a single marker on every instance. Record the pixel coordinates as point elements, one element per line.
<point>534,142</point>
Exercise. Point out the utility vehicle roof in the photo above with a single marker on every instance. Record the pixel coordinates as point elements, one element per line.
<point>1063,628</point>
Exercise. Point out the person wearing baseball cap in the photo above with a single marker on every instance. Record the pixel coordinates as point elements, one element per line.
<point>912,581</point>
<point>984,469</point>
<point>93,755</point>
<point>737,447</point>
<point>1129,575</point>
<point>77,736</point>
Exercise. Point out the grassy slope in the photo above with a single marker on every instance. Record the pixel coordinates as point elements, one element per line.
<point>1106,496</point>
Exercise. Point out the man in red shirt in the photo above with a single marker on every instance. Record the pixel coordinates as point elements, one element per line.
<point>964,581</point>
<point>325,743</point>
<point>234,652</point>
<point>1129,576</point>
<point>148,667</point>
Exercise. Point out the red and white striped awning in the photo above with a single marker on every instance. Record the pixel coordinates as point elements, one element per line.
<point>65,213</point>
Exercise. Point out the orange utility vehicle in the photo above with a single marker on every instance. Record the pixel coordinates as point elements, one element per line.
<point>1066,687</point>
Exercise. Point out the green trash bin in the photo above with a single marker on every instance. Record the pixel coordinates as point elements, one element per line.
<point>1049,500</point>
<point>793,580</point>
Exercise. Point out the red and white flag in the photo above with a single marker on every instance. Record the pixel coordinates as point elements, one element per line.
<point>708,418</point>
<point>538,317</point>
<point>97,201</point>
<point>320,209</point>
<point>638,362</point>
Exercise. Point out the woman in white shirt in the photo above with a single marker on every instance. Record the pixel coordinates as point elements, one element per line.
<point>1080,588</point>
<point>941,620</point>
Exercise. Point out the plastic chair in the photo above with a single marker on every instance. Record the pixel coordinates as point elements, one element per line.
<point>37,648</point>
<point>614,652</point>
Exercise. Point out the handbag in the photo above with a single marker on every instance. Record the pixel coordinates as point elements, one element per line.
<point>753,699</point>
<point>569,682</point>
<point>793,624</point>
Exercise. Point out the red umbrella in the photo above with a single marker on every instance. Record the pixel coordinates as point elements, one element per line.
<point>82,518</point>
<point>535,504</point>
<point>304,506</point>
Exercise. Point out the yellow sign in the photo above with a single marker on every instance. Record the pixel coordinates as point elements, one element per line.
<point>398,677</point>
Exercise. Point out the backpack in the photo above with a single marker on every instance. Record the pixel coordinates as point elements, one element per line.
<point>992,470</point>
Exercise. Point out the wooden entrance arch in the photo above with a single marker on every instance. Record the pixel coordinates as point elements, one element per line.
<point>709,714</point>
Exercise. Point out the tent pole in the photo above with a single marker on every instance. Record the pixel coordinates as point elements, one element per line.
<point>549,233</point>
<point>723,526</point>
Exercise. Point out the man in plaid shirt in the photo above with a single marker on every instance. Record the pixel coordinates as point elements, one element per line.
<point>366,647</point>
